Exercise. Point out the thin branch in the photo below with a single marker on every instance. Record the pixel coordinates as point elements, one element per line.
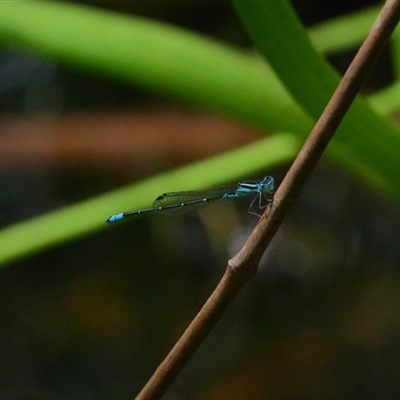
<point>243,266</point>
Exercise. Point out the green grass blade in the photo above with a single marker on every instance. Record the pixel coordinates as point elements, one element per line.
<point>155,55</point>
<point>368,141</point>
<point>344,32</point>
<point>56,227</point>
<point>212,75</point>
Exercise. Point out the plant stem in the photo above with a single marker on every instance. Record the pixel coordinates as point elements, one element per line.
<point>244,265</point>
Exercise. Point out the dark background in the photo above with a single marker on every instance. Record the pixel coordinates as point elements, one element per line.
<point>93,318</point>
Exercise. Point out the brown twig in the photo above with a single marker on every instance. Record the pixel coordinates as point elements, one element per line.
<point>244,265</point>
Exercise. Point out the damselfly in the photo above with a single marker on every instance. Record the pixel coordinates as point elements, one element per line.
<point>184,201</point>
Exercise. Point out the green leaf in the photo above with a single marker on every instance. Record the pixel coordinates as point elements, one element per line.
<point>195,69</point>
<point>155,55</point>
<point>58,226</point>
<point>344,32</point>
<point>366,143</point>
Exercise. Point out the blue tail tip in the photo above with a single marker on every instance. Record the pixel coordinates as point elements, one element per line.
<point>115,218</point>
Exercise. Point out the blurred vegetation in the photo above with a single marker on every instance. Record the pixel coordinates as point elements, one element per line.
<point>172,97</point>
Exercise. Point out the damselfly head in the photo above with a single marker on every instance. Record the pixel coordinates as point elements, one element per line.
<point>267,184</point>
